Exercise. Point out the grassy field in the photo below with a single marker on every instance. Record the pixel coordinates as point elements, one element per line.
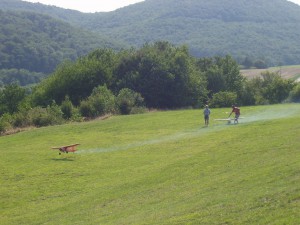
<point>288,72</point>
<point>157,168</point>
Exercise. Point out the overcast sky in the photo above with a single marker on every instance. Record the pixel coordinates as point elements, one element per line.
<point>95,5</point>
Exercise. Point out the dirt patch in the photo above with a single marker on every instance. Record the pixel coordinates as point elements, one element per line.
<point>16,130</point>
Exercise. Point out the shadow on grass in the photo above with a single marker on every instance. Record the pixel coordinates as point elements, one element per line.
<point>63,160</point>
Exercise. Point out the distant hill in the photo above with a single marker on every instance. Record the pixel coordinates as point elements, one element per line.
<point>265,29</point>
<point>38,43</point>
<point>71,16</point>
<point>268,30</point>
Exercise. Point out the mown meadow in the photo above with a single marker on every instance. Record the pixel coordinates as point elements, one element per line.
<point>161,167</point>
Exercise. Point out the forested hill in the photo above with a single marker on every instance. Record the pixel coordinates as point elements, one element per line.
<point>267,30</point>
<point>38,43</point>
<point>71,16</point>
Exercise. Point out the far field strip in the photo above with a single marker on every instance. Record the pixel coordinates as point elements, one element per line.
<point>288,72</point>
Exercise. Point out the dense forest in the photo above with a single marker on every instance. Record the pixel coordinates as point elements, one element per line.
<point>260,29</point>
<point>266,31</point>
<point>32,45</point>
<point>158,75</point>
<point>71,16</point>
<point>38,43</point>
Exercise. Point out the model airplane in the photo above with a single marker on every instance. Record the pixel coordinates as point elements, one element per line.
<point>230,119</point>
<point>66,149</point>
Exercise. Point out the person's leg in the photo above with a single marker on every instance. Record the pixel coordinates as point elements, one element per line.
<point>236,120</point>
<point>205,120</point>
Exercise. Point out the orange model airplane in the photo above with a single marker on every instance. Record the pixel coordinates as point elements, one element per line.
<point>67,148</point>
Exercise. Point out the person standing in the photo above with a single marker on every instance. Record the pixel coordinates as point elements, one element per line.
<point>206,113</point>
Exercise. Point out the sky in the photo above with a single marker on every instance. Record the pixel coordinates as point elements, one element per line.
<point>96,5</point>
<point>88,5</point>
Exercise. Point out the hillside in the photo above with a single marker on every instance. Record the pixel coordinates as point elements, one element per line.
<point>217,27</point>
<point>38,43</point>
<point>71,16</point>
<point>156,168</point>
<point>268,30</point>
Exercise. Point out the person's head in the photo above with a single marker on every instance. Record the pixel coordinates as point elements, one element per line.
<point>206,106</point>
<point>233,106</point>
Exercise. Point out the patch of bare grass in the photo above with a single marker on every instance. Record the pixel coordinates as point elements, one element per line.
<point>288,72</point>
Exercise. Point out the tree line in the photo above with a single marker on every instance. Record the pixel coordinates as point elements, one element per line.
<point>157,75</point>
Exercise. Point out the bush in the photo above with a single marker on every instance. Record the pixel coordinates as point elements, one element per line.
<point>138,110</point>
<point>247,95</point>
<point>76,115</point>
<point>67,108</point>
<point>276,88</point>
<point>223,99</point>
<point>128,101</point>
<point>99,103</point>
<point>11,97</point>
<point>22,119</point>
<point>86,109</point>
<point>102,100</point>
<point>294,95</point>
<point>260,64</point>
<point>260,100</point>
<point>52,115</point>
<point>5,123</point>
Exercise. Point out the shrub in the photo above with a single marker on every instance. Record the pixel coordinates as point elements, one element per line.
<point>5,122</point>
<point>76,115</point>
<point>52,115</point>
<point>294,95</point>
<point>11,97</point>
<point>86,108</point>
<point>223,99</point>
<point>22,119</point>
<point>138,110</point>
<point>260,100</point>
<point>128,100</point>
<point>100,102</point>
<point>67,108</point>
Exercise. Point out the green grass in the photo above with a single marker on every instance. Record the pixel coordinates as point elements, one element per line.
<point>157,168</point>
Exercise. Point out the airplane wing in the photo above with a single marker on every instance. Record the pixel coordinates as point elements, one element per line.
<point>224,119</point>
<point>67,147</point>
<point>229,119</point>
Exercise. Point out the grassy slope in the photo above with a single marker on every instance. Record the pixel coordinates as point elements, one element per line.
<point>157,168</point>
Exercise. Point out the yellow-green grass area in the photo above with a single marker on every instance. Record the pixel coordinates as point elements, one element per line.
<point>288,72</point>
<point>157,168</point>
